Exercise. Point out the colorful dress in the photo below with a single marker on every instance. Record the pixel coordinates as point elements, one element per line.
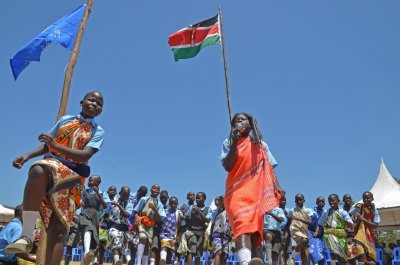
<point>66,185</point>
<point>250,188</point>
<point>335,235</point>
<point>169,230</point>
<point>364,238</point>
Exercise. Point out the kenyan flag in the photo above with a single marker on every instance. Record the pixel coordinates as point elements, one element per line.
<point>187,42</point>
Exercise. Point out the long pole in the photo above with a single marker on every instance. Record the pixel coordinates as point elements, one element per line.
<point>41,252</point>
<point>228,97</point>
<point>72,61</point>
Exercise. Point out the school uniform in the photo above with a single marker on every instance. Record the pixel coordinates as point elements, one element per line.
<point>221,234</point>
<point>118,225</point>
<point>273,226</point>
<point>196,228</point>
<point>11,232</point>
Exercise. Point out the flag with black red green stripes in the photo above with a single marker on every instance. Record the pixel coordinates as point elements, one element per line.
<point>188,42</point>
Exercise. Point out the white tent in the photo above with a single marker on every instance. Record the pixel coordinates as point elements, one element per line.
<point>6,215</point>
<point>386,193</point>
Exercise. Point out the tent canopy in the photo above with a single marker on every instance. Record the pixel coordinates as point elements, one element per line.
<point>6,215</point>
<point>386,193</point>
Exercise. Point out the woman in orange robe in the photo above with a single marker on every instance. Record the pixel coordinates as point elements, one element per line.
<point>251,186</point>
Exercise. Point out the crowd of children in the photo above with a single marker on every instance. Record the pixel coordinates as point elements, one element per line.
<point>153,230</point>
<point>144,229</point>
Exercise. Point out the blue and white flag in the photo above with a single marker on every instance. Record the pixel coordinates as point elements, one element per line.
<point>62,31</point>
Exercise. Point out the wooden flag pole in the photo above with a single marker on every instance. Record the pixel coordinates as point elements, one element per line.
<point>41,252</point>
<point>72,61</point>
<point>225,65</point>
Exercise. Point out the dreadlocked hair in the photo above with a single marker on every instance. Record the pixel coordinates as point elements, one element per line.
<point>255,132</point>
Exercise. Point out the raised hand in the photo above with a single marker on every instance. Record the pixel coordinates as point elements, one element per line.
<point>47,139</point>
<point>95,189</point>
<point>20,161</point>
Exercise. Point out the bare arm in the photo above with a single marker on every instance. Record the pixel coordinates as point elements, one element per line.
<point>157,216</point>
<point>21,160</point>
<point>229,161</point>
<point>102,202</point>
<point>306,221</point>
<point>277,218</point>
<point>123,212</point>
<point>75,154</point>
<point>361,218</point>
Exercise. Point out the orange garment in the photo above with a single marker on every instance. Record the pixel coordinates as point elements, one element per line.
<point>250,190</point>
<point>144,220</point>
<point>64,197</point>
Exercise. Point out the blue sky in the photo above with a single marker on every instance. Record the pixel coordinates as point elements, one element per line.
<point>321,77</point>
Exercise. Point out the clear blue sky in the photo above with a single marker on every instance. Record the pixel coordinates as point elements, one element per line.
<point>322,78</point>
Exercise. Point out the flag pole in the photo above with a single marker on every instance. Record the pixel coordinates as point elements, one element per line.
<point>72,61</point>
<point>228,97</point>
<point>41,252</point>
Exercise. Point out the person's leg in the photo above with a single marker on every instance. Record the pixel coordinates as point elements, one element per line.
<point>140,250</point>
<point>35,189</point>
<point>145,258</point>
<point>189,258</point>
<point>361,259</point>
<point>163,256</point>
<point>153,256</point>
<point>99,254</point>
<point>68,254</point>
<point>254,245</point>
<point>275,258</point>
<point>87,254</point>
<point>128,255</point>
<point>268,238</point>
<point>217,258</point>
<point>223,258</point>
<point>116,256</point>
<point>243,246</point>
<point>55,241</point>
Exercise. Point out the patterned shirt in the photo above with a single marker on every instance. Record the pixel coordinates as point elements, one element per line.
<point>97,132</point>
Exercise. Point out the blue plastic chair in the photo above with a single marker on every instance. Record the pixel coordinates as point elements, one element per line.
<point>182,260</point>
<point>379,256</point>
<point>297,260</point>
<point>232,259</point>
<point>204,258</point>
<point>107,255</point>
<point>328,259</point>
<point>76,254</point>
<point>396,256</point>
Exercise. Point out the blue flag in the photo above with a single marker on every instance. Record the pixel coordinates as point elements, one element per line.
<point>63,31</point>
